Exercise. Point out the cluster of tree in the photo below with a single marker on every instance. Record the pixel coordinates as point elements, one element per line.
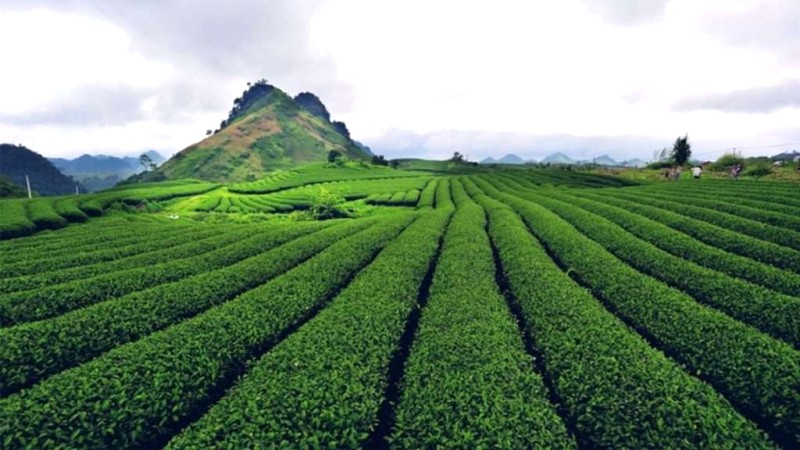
<point>678,156</point>
<point>341,128</point>
<point>336,157</point>
<point>146,162</point>
<point>458,158</point>
<point>255,92</point>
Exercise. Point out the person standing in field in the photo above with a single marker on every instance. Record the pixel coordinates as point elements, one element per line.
<point>696,172</point>
<point>677,173</point>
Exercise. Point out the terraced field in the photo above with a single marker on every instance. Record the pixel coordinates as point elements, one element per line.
<point>514,309</point>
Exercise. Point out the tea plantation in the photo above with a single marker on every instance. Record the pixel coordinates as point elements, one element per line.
<point>526,308</point>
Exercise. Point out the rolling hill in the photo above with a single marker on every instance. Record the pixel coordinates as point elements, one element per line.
<point>265,130</point>
<point>16,161</point>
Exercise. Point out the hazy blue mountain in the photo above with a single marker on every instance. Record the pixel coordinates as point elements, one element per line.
<point>510,159</point>
<point>559,158</point>
<point>488,160</point>
<point>605,160</point>
<point>97,172</point>
<point>636,162</point>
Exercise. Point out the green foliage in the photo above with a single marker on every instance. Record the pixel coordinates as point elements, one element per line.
<point>760,169</point>
<point>141,391</point>
<point>379,160</point>
<point>249,100</point>
<point>400,198</point>
<point>319,173</point>
<point>665,164</point>
<point>691,249</point>
<point>468,380</point>
<point>9,189</point>
<point>43,215</point>
<point>325,383</point>
<point>725,162</point>
<point>457,158</point>
<point>326,204</point>
<point>14,220</point>
<point>428,195</point>
<point>647,401</point>
<point>85,333</point>
<point>333,155</point>
<point>655,316</point>
<point>752,370</point>
<point>681,150</point>
<point>759,306</point>
<point>730,233</point>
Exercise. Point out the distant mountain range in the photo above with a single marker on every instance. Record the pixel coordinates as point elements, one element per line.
<point>17,161</point>
<point>560,158</point>
<point>97,172</point>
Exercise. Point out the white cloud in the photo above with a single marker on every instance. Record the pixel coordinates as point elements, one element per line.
<point>509,71</point>
<point>50,54</point>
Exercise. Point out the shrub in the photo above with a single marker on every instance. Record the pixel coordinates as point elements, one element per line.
<point>661,164</point>
<point>757,170</point>
<point>725,162</point>
<point>326,204</point>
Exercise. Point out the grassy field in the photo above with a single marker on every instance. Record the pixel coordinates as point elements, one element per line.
<point>488,309</point>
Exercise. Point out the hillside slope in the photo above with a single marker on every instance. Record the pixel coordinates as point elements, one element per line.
<point>18,161</point>
<point>265,130</point>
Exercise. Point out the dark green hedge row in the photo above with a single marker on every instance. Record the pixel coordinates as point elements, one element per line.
<point>315,174</point>
<point>412,197</point>
<point>208,204</point>
<point>32,351</point>
<point>14,220</point>
<point>428,195</point>
<point>737,208</point>
<point>757,373</point>
<point>753,241</point>
<point>772,312</point>
<point>92,207</point>
<point>443,198</point>
<point>400,198</point>
<point>378,199</point>
<point>469,383</point>
<point>779,194</point>
<point>616,389</point>
<point>43,303</point>
<point>68,209</point>
<point>763,203</point>
<point>323,386</point>
<point>41,260</point>
<point>70,239</point>
<point>135,194</point>
<point>202,241</point>
<point>59,248</point>
<point>691,249</point>
<point>138,394</point>
<point>41,213</point>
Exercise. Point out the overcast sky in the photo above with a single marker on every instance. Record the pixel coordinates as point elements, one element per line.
<point>410,78</point>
